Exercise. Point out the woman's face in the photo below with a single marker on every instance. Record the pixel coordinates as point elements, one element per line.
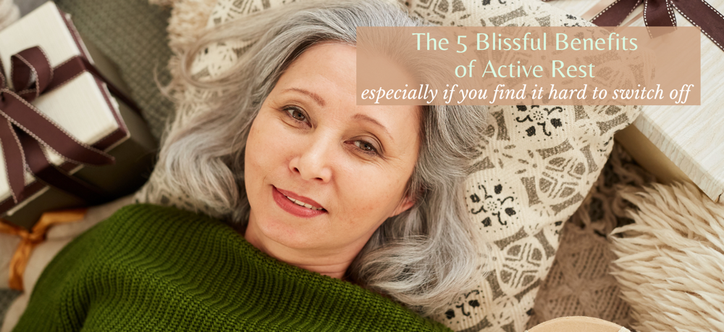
<point>322,173</point>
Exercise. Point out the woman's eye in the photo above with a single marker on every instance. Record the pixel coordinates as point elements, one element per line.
<point>365,147</point>
<point>296,114</point>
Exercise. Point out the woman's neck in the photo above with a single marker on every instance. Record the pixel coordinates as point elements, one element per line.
<point>332,263</point>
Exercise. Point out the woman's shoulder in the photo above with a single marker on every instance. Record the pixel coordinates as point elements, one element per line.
<point>276,284</point>
<point>137,229</point>
<point>140,213</point>
<point>143,217</point>
<point>198,268</point>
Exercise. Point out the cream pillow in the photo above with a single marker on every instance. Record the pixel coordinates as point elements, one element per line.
<point>536,163</point>
<point>536,166</point>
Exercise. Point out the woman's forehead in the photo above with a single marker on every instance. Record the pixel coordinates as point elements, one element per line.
<point>325,63</point>
<point>325,76</point>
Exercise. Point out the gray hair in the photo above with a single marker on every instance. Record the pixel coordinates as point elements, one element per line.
<point>422,257</point>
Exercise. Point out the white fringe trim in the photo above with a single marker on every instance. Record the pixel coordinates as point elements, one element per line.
<point>670,264</point>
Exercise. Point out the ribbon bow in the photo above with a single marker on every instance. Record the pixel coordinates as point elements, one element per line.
<point>661,13</point>
<point>24,130</point>
<point>29,240</point>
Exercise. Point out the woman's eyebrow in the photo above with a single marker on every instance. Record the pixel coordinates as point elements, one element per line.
<point>366,118</point>
<point>357,116</point>
<point>314,96</point>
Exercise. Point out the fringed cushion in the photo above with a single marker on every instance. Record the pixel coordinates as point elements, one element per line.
<point>670,264</point>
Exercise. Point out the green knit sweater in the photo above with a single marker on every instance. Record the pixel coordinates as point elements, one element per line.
<point>152,268</point>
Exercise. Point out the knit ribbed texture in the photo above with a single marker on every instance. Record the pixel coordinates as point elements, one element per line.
<point>152,268</point>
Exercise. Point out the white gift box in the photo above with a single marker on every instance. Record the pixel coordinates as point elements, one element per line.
<point>82,107</point>
<point>677,143</point>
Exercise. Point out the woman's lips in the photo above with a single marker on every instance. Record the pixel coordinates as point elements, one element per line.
<point>280,197</point>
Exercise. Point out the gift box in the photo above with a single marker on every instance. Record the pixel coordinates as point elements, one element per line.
<point>675,143</point>
<point>74,142</point>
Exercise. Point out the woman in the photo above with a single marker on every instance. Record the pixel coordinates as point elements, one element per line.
<point>339,195</point>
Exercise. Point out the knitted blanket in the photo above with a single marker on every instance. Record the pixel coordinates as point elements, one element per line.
<point>152,268</point>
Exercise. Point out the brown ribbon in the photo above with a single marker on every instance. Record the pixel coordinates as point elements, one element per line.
<point>661,13</point>
<point>24,130</point>
<point>29,240</point>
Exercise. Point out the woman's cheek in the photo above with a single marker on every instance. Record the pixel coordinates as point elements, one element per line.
<point>275,143</point>
<point>372,197</point>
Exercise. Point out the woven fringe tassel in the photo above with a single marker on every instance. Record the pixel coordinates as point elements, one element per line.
<point>670,262</point>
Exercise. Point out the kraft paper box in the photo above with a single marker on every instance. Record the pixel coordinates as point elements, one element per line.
<point>84,108</point>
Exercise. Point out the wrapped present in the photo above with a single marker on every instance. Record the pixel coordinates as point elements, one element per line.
<point>66,140</point>
<point>675,143</point>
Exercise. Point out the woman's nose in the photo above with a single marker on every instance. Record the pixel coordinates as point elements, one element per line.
<point>314,159</point>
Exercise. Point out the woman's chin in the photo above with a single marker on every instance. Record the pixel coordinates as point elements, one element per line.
<point>287,233</point>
